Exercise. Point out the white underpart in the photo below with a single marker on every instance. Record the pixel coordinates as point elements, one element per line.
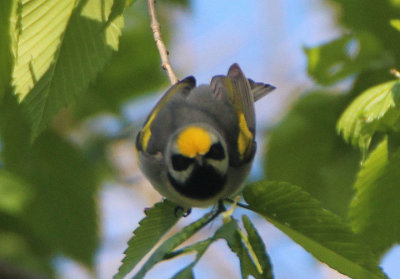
<point>182,176</point>
<point>220,165</point>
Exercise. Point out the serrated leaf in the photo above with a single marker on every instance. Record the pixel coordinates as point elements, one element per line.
<point>340,58</point>
<point>239,243</point>
<point>172,242</point>
<point>38,33</point>
<point>305,150</point>
<point>159,219</point>
<point>374,210</point>
<point>54,66</point>
<point>14,193</point>
<point>319,231</point>
<point>374,110</point>
<point>5,46</point>
<point>257,245</point>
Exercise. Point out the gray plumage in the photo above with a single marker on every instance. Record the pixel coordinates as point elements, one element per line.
<point>216,107</point>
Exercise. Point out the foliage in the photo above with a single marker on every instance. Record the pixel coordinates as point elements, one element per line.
<point>319,231</point>
<point>304,150</point>
<point>158,221</point>
<point>374,207</point>
<point>373,111</point>
<point>59,63</point>
<point>48,184</point>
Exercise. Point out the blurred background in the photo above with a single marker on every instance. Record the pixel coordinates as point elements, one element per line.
<point>267,39</point>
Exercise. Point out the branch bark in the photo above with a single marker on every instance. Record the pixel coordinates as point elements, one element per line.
<point>155,27</point>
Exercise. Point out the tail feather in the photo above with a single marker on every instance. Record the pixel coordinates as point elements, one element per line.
<point>259,89</point>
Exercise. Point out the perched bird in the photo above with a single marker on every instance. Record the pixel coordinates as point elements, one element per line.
<point>198,143</point>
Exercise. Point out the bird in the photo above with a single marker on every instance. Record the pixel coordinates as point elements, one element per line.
<point>197,145</point>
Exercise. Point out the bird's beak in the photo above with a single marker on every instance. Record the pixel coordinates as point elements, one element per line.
<point>200,160</point>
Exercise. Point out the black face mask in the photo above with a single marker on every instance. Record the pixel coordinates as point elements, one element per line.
<point>203,183</point>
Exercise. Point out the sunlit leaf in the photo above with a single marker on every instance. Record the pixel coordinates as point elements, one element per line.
<point>374,110</point>
<point>348,55</point>
<point>119,81</point>
<point>54,66</point>
<point>38,33</point>
<point>159,219</point>
<point>395,23</point>
<point>5,46</point>
<point>375,207</point>
<point>317,230</point>
<point>14,193</point>
<point>304,149</point>
<point>118,8</point>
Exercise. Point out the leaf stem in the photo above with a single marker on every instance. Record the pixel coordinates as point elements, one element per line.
<point>155,27</point>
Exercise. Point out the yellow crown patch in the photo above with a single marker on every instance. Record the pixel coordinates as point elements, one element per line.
<point>194,140</point>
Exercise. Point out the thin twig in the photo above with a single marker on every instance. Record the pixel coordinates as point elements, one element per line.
<point>155,27</point>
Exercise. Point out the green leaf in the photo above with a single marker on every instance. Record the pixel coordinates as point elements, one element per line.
<point>38,34</point>
<point>343,57</point>
<point>240,244</point>
<point>395,23</point>
<point>65,208</point>
<point>249,249</point>
<point>120,81</point>
<point>5,46</point>
<point>235,240</point>
<point>62,215</point>
<point>55,66</point>
<point>14,193</point>
<point>319,231</point>
<point>17,252</point>
<point>374,210</point>
<point>201,247</point>
<point>172,242</point>
<point>257,245</point>
<point>186,273</point>
<point>373,19</point>
<point>117,9</point>
<point>159,219</point>
<point>305,150</point>
<point>374,110</point>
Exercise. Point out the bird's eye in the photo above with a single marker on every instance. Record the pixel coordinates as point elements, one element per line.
<point>216,152</point>
<point>180,163</point>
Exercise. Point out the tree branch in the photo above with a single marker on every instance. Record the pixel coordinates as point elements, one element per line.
<point>155,27</point>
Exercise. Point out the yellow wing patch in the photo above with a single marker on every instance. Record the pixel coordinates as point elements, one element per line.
<point>194,140</point>
<point>146,132</point>
<point>245,136</point>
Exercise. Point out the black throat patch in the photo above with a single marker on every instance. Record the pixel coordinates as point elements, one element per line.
<point>204,183</point>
